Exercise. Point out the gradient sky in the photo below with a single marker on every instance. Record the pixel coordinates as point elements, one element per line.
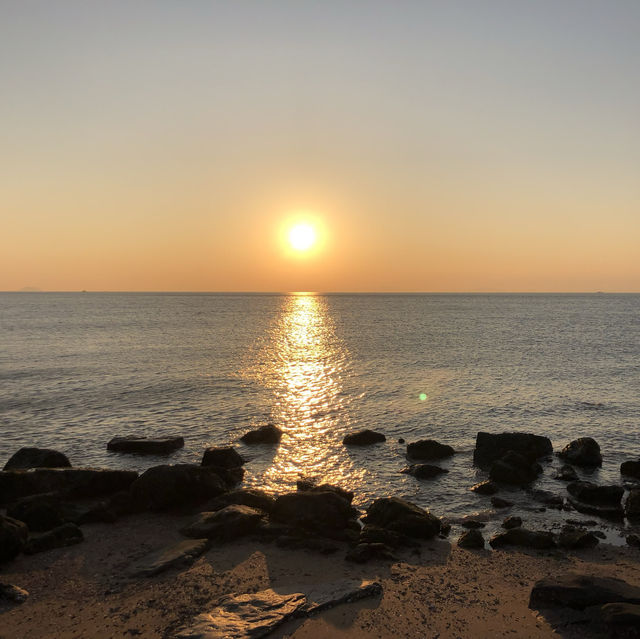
<point>441,146</point>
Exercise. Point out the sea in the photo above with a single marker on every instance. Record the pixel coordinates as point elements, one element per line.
<point>77,369</point>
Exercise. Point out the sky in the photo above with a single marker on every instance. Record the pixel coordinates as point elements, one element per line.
<point>455,145</point>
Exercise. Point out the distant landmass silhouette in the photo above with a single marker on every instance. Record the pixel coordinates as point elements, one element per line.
<point>30,289</point>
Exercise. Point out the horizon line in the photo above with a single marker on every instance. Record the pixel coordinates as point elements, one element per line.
<point>248,292</point>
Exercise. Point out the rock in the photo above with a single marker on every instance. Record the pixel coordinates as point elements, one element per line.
<point>39,512</point>
<point>633,540</point>
<point>570,590</point>
<point>429,449</point>
<point>630,468</point>
<point>184,553</point>
<point>590,493</point>
<point>472,523</point>
<point>12,594</point>
<point>621,614</point>
<point>364,552</point>
<point>309,485</point>
<point>222,457</point>
<point>68,482</point>
<point>376,535</point>
<point>566,473</point>
<point>582,523</point>
<point>631,506</point>
<point>498,502</point>
<point>400,440</point>
<point>27,458</point>
<point>165,487</point>
<point>363,438</point>
<point>253,497</point>
<point>547,497</point>
<point>267,434</point>
<point>328,595</point>
<point>584,451</point>
<point>324,513</point>
<point>471,539</point>
<point>577,538</point>
<point>490,447</point>
<point>226,524</point>
<point>486,487</point>
<point>144,445</point>
<point>401,516</point>
<point>514,468</point>
<point>65,535</point>
<point>512,522</point>
<point>539,540</point>
<point>424,471</point>
<point>13,536</point>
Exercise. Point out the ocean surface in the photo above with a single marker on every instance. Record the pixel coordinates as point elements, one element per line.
<point>79,368</point>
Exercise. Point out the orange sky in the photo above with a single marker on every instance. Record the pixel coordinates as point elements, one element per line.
<point>438,148</point>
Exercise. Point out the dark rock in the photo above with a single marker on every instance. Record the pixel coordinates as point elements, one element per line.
<point>621,614</point>
<point>366,552</point>
<point>631,468</point>
<point>424,471</point>
<point>486,487</point>
<point>184,553</point>
<point>547,497</point>
<point>324,513</point>
<point>472,523</point>
<point>121,504</point>
<point>226,524</point>
<point>567,473</point>
<point>165,487</point>
<point>514,468</point>
<point>445,529</point>
<point>471,539</point>
<point>539,540</point>
<point>581,523</point>
<point>401,440</point>
<point>570,590</point>
<point>429,449</point>
<point>267,434</point>
<point>12,594</point>
<point>403,517</point>
<point>68,482</point>
<point>631,506</point>
<point>144,445</point>
<point>39,512</point>
<point>252,497</point>
<point>65,535</point>
<point>308,485</point>
<point>327,595</point>
<point>512,522</point>
<point>633,540</point>
<point>376,535</point>
<point>363,438</point>
<point>490,447</point>
<point>584,451</point>
<point>27,458</point>
<point>577,538</point>
<point>13,536</point>
<point>222,457</point>
<point>593,499</point>
<point>498,502</point>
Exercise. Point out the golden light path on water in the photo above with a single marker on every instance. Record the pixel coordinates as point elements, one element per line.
<point>303,364</point>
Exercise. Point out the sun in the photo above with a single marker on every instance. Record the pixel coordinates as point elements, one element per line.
<point>302,237</point>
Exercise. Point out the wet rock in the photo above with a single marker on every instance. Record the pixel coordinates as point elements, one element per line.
<point>512,522</point>
<point>253,497</point>
<point>632,505</point>
<point>633,540</point>
<point>566,473</point>
<point>222,457</point>
<point>471,539</point>
<point>539,540</point>
<point>231,522</point>
<point>65,535</point>
<point>486,487</point>
<point>308,485</point>
<point>577,538</point>
<point>364,552</point>
<point>587,497</point>
<point>324,513</point>
<point>514,468</point>
<point>630,468</point>
<point>490,447</point>
<point>498,502</point>
<point>68,482</point>
<point>621,614</point>
<point>584,451</point>
<point>12,594</point>
<point>401,516</point>
<point>26,458</point>
<point>39,512</point>
<point>400,440</point>
<point>582,523</point>
<point>445,529</point>
<point>570,590</point>
<point>13,536</point>
<point>145,445</point>
<point>267,434</point>
<point>165,487</point>
<point>424,471</point>
<point>429,449</point>
<point>376,535</point>
<point>184,553</point>
<point>472,523</point>
<point>363,438</point>
<point>547,497</point>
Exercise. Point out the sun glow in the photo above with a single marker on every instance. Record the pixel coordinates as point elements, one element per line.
<point>302,237</point>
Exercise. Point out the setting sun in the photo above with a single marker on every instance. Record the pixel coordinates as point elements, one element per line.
<point>302,237</point>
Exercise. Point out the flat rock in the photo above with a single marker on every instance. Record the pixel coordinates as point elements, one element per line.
<point>424,471</point>
<point>66,535</point>
<point>184,553</point>
<point>26,458</point>
<point>429,449</point>
<point>621,614</point>
<point>231,522</point>
<point>577,591</point>
<point>577,538</point>
<point>267,434</point>
<point>587,497</point>
<point>492,446</point>
<point>538,540</point>
<point>222,457</point>
<point>584,451</point>
<point>145,445</point>
<point>324,596</point>
<point>498,502</point>
<point>12,594</point>
<point>363,438</point>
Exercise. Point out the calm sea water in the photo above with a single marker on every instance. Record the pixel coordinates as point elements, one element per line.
<point>77,369</point>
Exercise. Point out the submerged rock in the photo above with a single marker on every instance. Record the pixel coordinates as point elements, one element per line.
<point>512,522</point>
<point>514,468</point>
<point>222,457</point>
<point>590,493</point>
<point>424,471</point>
<point>539,540</point>
<point>145,445</point>
<point>429,449</point>
<point>363,438</point>
<point>267,434</point>
<point>471,539</point>
<point>65,535</point>
<point>26,458</point>
<point>492,446</point>
<point>13,536</point>
<point>498,502</point>
<point>486,487</point>
<point>184,553</point>
<point>566,473</point>
<point>226,524</point>
<point>547,498</point>
<point>630,468</point>
<point>584,451</point>
<point>403,517</point>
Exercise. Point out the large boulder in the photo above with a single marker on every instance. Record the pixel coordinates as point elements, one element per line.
<point>429,449</point>
<point>324,513</point>
<point>630,468</point>
<point>587,497</point>
<point>27,458</point>
<point>492,446</point>
<point>514,468</point>
<point>253,497</point>
<point>402,516</point>
<point>540,540</point>
<point>222,457</point>
<point>13,536</point>
<point>363,438</point>
<point>145,445</point>
<point>65,535</point>
<point>166,487</point>
<point>267,434</point>
<point>68,482</point>
<point>584,451</point>
<point>226,524</point>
